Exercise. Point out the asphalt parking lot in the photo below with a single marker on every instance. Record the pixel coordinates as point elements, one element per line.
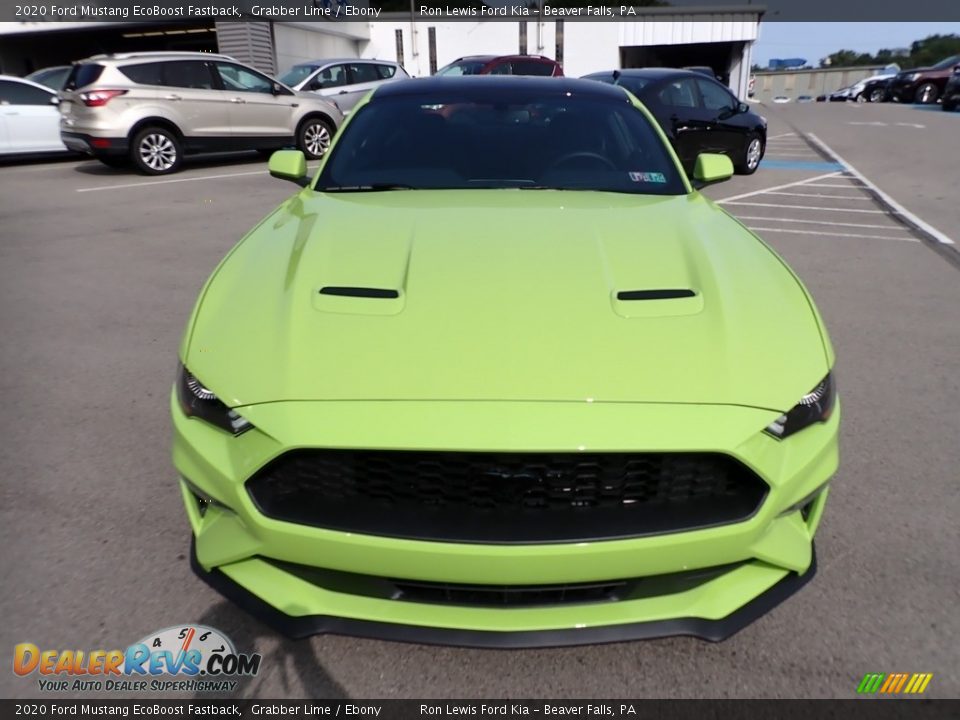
<point>99,269</point>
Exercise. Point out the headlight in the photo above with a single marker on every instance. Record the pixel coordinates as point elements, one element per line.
<point>199,402</point>
<point>816,406</point>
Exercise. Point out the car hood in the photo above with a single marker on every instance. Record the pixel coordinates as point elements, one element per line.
<point>504,295</point>
<point>903,74</point>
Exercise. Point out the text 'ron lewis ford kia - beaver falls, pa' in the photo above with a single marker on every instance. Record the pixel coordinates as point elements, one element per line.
<point>499,375</point>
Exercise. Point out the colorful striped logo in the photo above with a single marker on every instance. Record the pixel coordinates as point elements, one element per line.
<point>894,683</point>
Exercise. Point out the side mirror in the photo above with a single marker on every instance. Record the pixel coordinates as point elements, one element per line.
<point>712,168</point>
<point>289,165</point>
<point>743,107</point>
<point>54,100</point>
<point>276,88</point>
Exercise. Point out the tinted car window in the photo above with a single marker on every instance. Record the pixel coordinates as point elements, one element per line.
<point>236,77</point>
<point>14,93</point>
<point>192,74</point>
<point>145,74</point>
<point>82,75</point>
<point>363,73</point>
<point>531,67</point>
<point>504,68</point>
<point>386,71</point>
<point>297,74</point>
<point>463,67</point>
<point>634,85</point>
<point>948,63</point>
<point>679,93</point>
<point>714,96</point>
<point>491,141</point>
<point>333,76</point>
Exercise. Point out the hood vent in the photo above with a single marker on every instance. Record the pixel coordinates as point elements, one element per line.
<point>361,292</point>
<point>654,294</point>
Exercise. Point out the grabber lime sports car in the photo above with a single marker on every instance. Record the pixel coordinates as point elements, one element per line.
<point>499,375</point>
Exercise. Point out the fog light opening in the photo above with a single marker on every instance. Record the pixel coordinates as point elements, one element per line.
<point>203,500</point>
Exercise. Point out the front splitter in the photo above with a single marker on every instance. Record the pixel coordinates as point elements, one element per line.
<point>298,627</point>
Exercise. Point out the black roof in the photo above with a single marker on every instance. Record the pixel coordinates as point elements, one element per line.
<point>653,73</point>
<point>486,85</point>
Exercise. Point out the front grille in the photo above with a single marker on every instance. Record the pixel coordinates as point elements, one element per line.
<point>510,596</point>
<point>506,497</point>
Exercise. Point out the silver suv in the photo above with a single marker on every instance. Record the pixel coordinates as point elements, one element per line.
<point>152,108</point>
<point>345,80</point>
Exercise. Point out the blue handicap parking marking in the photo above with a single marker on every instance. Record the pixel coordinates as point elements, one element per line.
<point>800,165</point>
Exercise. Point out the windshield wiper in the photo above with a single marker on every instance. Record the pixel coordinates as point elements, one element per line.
<point>376,187</point>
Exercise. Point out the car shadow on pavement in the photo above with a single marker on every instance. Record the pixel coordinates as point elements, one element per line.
<point>199,162</point>
<point>288,661</point>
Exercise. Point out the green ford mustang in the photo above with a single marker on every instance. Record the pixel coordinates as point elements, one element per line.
<point>499,375</point>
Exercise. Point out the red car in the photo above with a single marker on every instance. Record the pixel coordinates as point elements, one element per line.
<point>923,85</point>
<point>503,65</point>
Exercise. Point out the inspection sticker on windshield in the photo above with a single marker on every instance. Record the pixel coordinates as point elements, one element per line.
<point>648,177</point>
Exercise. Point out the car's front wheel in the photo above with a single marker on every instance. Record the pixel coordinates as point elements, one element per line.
<point>862,97</point>
<point>926,94</point>
<point>156,151</point>
<point>313,138</point>
<point>878,95</point>
<point>752,155</point>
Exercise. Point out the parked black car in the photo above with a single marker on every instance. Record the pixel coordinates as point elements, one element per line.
<point>697,113</point>
<point>951,92</point>
<point>875,91</point>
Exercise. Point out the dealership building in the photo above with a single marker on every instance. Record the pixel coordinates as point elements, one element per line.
<point>719,38</point>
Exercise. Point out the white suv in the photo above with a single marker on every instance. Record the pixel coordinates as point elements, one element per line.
<point>152,108</point>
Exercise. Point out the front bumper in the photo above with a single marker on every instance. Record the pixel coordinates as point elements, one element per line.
<point>245,555</point>
<point>903,91</point>
<point>298,627</point>
<point>951,93</point>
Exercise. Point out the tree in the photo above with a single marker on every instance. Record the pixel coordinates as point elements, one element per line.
<point>933,49</point>
<point>922,53</point>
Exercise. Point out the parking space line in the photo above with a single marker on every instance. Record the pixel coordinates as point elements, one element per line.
<point>778,187</point>
<point>781,135</point>
<point>895,207</point>
<point>828,185</point>
<point>777,154</point>
<point>821,195</point>
<point>774,164</point>
<point>807,207</point>
<point>794,231</point>
<point>148,183</point>
<point>831,223</point>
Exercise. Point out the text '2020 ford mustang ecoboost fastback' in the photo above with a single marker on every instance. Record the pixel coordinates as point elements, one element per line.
<point>499,375</point>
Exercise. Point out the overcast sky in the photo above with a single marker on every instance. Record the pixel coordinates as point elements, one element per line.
<point>813,41</point>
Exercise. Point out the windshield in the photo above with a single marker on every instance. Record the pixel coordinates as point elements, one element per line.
<point>464,67</point>
<point>948,63</point>
<point>297,74</point>
<point>504,140</point>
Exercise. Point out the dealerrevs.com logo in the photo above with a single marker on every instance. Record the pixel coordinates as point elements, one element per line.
<point>186,658</point>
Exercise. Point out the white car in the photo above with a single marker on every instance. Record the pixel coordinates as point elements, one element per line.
<point>29,118</point>
<point>343,80</point>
